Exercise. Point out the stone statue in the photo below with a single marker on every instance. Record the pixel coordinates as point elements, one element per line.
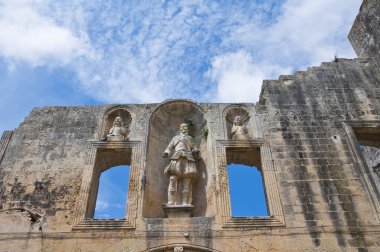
<point>239,131</point>
<point>118,132</point>
<point>182,167</point>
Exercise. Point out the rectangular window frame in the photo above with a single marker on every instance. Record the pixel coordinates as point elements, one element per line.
<point>276,216</point>
<point>83,223</point>
<point>360,164</point>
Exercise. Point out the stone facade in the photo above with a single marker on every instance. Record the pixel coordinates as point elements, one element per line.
<point>314,136</point>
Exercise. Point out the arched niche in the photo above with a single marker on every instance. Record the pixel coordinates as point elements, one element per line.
<point>164,125</point>
<point>111,114</point>
<point>229,115</point>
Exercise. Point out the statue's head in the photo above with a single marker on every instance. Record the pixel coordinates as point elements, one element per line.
<point>118,121</point>
<point>238,121</point>
<point>184,128</point>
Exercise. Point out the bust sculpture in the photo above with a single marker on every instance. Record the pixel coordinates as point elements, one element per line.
<point>118,132</point>
<point>182,167</point>
<point>239,131</point>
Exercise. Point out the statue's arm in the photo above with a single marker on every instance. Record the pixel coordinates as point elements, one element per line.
<point>233,130</point>
<point>111,130</point>
<point>169,148</point>
<point>194,148</point>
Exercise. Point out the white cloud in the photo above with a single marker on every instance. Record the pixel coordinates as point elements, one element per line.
<point>305,33</point>
<point>112,193</point>
<point>135,52</point>
<point>238,78</point>
<point>317,29</point>
<point>28,36</point>
<point>102,205</point>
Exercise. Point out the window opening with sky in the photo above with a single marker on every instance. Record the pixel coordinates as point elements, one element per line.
<point>245,179</point>
<point>109,186</point>
<point>246,191</point>
<point>112,194</point>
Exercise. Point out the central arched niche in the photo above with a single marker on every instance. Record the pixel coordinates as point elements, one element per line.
<point>164,125</point>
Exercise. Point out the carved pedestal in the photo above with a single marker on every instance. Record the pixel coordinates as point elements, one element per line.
<point>115,138</point>
<point>178,211</point>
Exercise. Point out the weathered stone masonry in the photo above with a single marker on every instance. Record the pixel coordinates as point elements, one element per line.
<point>314,135</point>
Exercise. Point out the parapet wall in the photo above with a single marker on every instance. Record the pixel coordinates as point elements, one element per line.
<point>365,32</point>
<point>311,121</point>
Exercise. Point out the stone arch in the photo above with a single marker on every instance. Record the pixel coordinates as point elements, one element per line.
<point>163,125</point>
<point>109,116</point>
<point>185,248</point>
<point>229,114</point>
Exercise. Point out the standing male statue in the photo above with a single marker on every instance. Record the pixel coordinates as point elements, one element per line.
<point>182,167</point>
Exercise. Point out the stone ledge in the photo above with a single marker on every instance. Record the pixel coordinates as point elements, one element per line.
<point>178,211</point>
<point>114,144</point>
<point>243,222</point>
<point>108,224</point>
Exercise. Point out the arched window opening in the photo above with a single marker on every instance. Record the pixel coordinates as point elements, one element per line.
<point>109,184</point>
<point>246,191</point>
<point>112,194</point>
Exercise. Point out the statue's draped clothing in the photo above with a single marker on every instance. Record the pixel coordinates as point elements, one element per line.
<point>182,163</point>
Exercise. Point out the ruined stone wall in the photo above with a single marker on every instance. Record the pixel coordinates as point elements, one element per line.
<point>308,118</point>
<point>304,134</point>
<point>303,125</point>
<point>365,32</point>
<point>42,166</point>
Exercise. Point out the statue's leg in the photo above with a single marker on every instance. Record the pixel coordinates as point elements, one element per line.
<point>172,190</point>
<point>186,191</point>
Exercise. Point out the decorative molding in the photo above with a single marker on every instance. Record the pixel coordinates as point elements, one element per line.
<point>109,224</point>
<point>80,221</point>
<point>257,142</point>
<point>362,123</point>
<point>276,216</point>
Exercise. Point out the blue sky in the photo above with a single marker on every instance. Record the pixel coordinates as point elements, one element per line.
<point>60,52</point>
<point>112,193</point>
<point>246,190</point>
